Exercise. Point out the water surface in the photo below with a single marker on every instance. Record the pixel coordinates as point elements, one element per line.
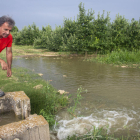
<point>112,97</point>
<point>8,117</point>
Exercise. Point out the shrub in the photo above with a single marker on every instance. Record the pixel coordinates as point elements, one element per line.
<point>27,35</point>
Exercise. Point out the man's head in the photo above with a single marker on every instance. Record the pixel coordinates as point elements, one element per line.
<point>6,25</point>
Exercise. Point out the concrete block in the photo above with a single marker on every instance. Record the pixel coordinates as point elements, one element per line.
<point>18,101</point>
<point>35,127</point>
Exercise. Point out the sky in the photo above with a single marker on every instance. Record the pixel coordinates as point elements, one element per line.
<point>53,12</point>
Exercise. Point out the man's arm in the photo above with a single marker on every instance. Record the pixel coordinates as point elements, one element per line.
<point>9,60</point>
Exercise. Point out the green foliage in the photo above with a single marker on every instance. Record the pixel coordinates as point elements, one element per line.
<point>119,57</point>
<point>53,103</point>
<point>54,41</point>
<point>95,134</point>
<point>69,39</point>
<point>84,29</point>
<point>77,99</point>
<point>27,35</point>
<point>101,134</point>
<point>78,33</point>
<point>15,29</point>
<point>84,34</point>
<point>14,32</point>
<point>51,40</point>
<point>42,40</point>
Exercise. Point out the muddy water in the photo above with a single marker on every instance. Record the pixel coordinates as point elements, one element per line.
<point>112,98</point>
<point>8,117</point>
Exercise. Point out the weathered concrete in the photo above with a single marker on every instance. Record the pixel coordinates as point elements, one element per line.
<point>33,128</point>
<point>16,101</point>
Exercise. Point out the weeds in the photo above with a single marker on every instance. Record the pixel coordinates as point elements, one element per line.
<point>95,134</point>
<point>101,134</point>
<point>77,99</point>
<point>119,58</point>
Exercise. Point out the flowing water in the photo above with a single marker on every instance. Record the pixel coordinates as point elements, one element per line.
<point>112,97</point>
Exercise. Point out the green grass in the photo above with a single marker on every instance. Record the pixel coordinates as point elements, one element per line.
<point>101,134</point>
<point>45,100</point>
<point>119,58</point>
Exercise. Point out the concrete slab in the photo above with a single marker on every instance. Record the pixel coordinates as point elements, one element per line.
<point>35,127</point>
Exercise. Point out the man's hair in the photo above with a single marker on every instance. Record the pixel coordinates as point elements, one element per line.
<point>7,19</point>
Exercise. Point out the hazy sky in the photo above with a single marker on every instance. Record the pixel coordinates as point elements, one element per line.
<point>52,12</point>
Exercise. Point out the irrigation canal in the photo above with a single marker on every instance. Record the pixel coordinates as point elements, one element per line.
<point>112,99</point>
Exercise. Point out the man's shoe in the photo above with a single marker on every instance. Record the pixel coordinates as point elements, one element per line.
<point>1,93</point>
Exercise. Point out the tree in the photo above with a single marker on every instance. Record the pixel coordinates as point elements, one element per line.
<point>15,29</point>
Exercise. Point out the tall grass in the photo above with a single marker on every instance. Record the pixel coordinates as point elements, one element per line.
<point>119,57</point>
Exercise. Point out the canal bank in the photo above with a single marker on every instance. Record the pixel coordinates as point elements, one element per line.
<point>112,91</point>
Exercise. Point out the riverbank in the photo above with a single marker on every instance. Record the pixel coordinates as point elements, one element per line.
<point>22,76</point>
<point>124,59</point>
<point>24,50</point>
<point>121,58</point>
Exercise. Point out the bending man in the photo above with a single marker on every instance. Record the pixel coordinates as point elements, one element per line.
<point>6,25</point>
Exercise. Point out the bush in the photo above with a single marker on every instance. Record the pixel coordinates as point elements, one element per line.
<point>27,35</point>
<point>85,34</point>
<point>41,40</point>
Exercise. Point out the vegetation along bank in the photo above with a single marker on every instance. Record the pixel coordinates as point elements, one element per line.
<point>84,34</point>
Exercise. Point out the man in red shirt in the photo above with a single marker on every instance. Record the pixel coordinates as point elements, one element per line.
<point>6,25</point>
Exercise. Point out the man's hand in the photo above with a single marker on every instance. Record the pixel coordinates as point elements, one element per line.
<point>9,72</point>
<point>4,65</point>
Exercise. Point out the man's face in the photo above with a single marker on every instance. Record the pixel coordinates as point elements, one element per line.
<point>5,30</point>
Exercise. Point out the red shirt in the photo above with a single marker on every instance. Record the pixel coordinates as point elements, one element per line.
<point>6,42</point>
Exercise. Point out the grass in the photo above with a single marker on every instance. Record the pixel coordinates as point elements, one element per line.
<point>131,59</point>
<point>23,50</point>
<point>101,134</point>
<point>45,100</point>
<point>30,50</point>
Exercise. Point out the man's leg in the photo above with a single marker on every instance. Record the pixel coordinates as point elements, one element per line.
<point>1,93</point>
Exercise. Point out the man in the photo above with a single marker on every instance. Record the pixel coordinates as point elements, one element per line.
<point>6,25</point>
